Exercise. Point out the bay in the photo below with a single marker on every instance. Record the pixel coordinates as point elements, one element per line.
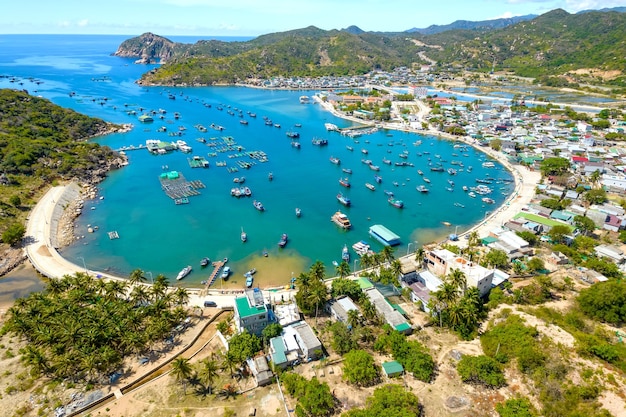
<point>160,237</point>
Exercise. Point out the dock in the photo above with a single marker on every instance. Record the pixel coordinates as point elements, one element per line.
<point>114,235</point>
<point>217,267</point>
<point>384,235</point>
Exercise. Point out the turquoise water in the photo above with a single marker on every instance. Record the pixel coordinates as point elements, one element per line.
<point>158,236</point>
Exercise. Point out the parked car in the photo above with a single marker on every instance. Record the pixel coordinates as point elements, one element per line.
<point>210,304</point>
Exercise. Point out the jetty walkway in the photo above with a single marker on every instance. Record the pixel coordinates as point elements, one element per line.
<point>217,267</point>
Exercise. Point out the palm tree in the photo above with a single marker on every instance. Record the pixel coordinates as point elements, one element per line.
<point>457,278</point>
<point>136,277</point>
<point>387,254</point>
<point>181,296</point>
<point>396,268</point>
<point>318,270</point>
<point>367,260</point>
<point>318,296</point>
<point>595,177</point>
<point>159,289</point>
<point>419,256</point>
<point>181,370</point>
<point>140,294</point>
<point>229,361</point>
<point>208,373</point>
<point>354,318</point>
<point>343,269</point>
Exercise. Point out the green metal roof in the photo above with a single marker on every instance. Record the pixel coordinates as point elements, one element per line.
<point>364,283</point>
<point>392,368</point>
<point>398,308</point>
<point>383,232</point>
<point>489,239</point>
<point>403,326</point>
<point>245,310</point>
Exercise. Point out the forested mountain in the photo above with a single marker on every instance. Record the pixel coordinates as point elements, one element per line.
<point>470,25</point>
<point>591,44</point>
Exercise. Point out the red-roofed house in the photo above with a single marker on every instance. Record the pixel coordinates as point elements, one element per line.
<point>612,223</point>
<point>579,159</point>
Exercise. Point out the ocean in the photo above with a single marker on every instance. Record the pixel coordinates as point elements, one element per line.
<point>161,237</point>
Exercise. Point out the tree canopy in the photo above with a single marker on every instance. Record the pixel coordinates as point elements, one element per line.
<point>360,369</point>
<point>390,400</point>
<point>605,301</point>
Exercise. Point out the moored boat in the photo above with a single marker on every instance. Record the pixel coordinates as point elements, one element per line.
<point>343,199</point>
<point>488,200</point>
<point>258,205</point>
<point>370,186</point>
<point>298,212</point>
<point>319,142</point>
<point>345,182</point>
<point>204,261</point>
<point>395,202</point>
<point>283,240</point>
<point>421,189</point>
<point>378,178</point>
<point>341,220</point>
<point>347,170</point>
<point>244,235</point>
<point>335,160</point>
<point>345,254</point>
<point>184,272</point>
<point>249,281</point>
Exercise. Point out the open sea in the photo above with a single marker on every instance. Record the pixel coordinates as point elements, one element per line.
<point>159,236</point>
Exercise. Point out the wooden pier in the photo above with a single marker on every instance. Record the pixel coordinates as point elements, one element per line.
<point>217,267</point>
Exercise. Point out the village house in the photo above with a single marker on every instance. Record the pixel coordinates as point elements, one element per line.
<point>340,307</point>
<point>251,312</point>
<point>613,253</point>
<point>442,262</point>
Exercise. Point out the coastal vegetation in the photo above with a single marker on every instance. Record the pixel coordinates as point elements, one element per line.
<point>81,328</point>
<point>555,49</point>
<point>41,143</point>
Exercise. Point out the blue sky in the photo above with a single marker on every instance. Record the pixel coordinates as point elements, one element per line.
<point>256,17</point>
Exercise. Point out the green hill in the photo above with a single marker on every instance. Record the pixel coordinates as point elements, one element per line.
<point>587,46</point>
<point>40,143</point>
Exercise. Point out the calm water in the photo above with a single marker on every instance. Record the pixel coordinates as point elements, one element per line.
<point>159,236</point>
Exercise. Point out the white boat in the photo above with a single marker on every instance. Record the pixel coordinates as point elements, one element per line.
<point>244,235</point>
<point>488,165</point>
<point>225,272</point>
<point>330,127</point>
<point>249,280</point>
<point>304,99</point>
<point>184,272</point>
<point>345,254</point>
<point>341,220</point>
<point>298,212</point>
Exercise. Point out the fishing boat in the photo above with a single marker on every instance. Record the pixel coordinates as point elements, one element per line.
<point>437,169</point>
<point>465,188</point>
<point>239,180</point>
<point>295,144</point>
<point>345,254</point>
<point>258,205</point>
<point>419,171</point>
<point>335,160</point>
<point>249,281</point>
<point>364,151</point>
<point>270,176</point>
<point>341,220</point>
<point>283,240</point>
<point>378,178</point>
<point>386,161</point>
<point>204,261</point>
<point>370,186</point>
<point>319,142</point>
<point>293,135</point>
<point>395,202</point>
<point>244,235</point>
<point>374,167</point>
<point>459,205</point>
<point>225,273</point>
<point>426,180</point>
<point>345,182</point>
<point>451,171</point>
<point>421,189</point>
<point>389,193</point>
<point>488,200</point>
<point>350,148</point>
<point>343,200</point>
<point>347,170</point>
<point>488,165</point>
<point>298,212</point>
<point>472,194</point>
<point>184,272</point>
<point>243,122</point>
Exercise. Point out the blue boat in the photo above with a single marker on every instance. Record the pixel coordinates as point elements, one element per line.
<point>343,200</point>
<point>345,254</point>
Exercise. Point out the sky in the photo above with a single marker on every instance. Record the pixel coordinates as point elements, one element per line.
<point>257,17</point>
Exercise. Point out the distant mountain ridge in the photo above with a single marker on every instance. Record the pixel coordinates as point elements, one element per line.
<point>471,25</point>
<point>557,43</point>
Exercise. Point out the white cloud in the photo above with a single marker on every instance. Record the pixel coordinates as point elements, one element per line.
<point>578,5</point>
<point>83,22</point>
